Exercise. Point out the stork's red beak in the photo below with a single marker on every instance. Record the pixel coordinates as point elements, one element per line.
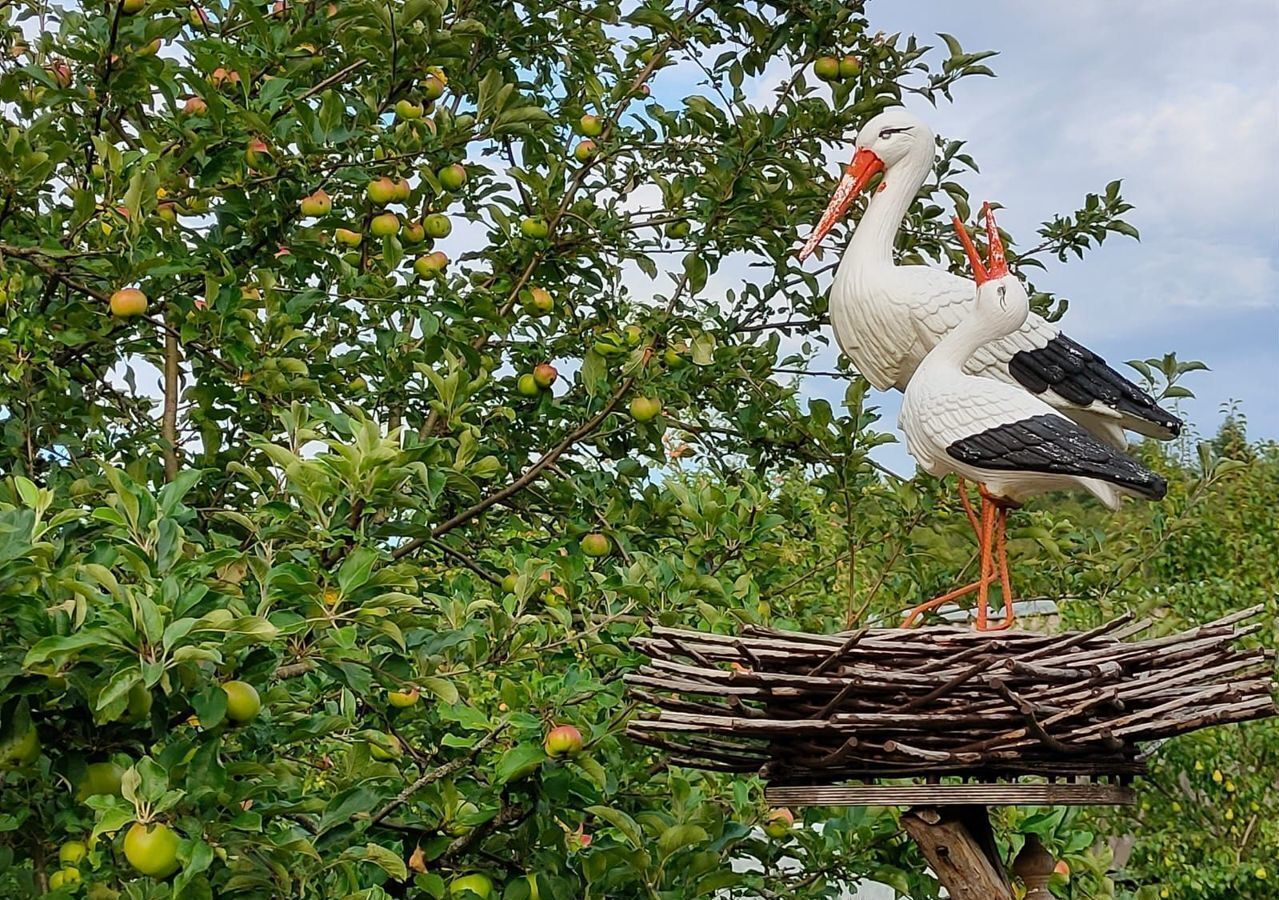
<point>865,166</point>
<point>998,265</point>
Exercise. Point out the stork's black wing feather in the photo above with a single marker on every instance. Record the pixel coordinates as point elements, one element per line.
<point>1077,374</point>
<point>1055,445</point>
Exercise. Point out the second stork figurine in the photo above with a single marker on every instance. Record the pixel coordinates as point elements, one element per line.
<point>1009,441</point>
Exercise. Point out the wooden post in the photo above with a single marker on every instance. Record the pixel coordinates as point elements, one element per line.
<point>959,845</point>
<point>1034,866</point>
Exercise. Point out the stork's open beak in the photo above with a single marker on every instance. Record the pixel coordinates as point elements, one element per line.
<point>865,166</point>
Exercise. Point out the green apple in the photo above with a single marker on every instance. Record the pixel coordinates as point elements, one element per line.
<point>591,126</point>
<point>479,885</point>
<point>408,110</point>
<point>242,701</point>
<point>585,151</point>
<point>527,385</point>
<point>540,301</point>
<point>645,409</point>
<point>850,67</point>
<point>412,233</point>
<point>70,853</point>
<point>347,237</point>
<point>100,778</point>
<point>452,177</point>
<point>437,225</point>
<point>433,87</point>
<point>535,228</point>
<point>384,225</point>
<point>826,68</point>
<point>152,849</point>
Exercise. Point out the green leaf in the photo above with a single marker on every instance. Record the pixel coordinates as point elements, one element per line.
<point>677,837</point>
<point>519,761</point>
<point>356,569</point>
<point>622,822</point>
<point>385,859</point>
<point>440,687</point>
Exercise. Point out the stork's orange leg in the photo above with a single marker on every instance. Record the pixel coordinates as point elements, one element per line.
<point>1005,580</point>
<point>987,560</point>
<point>981,584</point>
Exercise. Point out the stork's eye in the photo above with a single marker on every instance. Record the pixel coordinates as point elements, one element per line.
<point>886,133</point>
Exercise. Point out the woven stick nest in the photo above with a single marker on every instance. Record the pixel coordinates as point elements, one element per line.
<point>925,702</point>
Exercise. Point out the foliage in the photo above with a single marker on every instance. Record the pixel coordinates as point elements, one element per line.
<point>310,466</point>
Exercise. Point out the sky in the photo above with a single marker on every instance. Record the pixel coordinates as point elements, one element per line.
<point>1184,107</point>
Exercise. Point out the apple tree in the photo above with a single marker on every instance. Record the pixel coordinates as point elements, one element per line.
<point>369,373</point>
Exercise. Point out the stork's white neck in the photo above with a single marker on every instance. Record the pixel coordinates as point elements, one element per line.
<point>872,243</point>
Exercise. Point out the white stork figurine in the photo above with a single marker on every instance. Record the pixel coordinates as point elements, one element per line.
<point>887,317</point>
<point>1010,442</point>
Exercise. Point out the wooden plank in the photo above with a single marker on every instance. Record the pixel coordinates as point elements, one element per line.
<point>997,794</point>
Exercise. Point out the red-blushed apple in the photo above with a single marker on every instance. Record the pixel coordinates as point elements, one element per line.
<point>223,76</point>
<point>585,151</point>
<point>316,204</point>
<point>826,68</point>
<point>381,191</point>
<point>128,302</point>
<point>596,545</point>
<point>563,740</point>
<point>545,375</point>
<point>413,233</point>
<point>402,189</point>
<point>430,265</point>
<point>257,153</point>
<point>540,301</point>
<point>779,823</point>
<point>195,106</point>
<point>849,67</point>
<point>403,699</point>
<point>591,126</point>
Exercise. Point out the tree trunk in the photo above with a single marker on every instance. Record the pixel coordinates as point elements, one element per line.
<point>959,845</point>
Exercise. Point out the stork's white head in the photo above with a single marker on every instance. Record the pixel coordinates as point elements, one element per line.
<point>892,138</point>
<point>1002,302</point>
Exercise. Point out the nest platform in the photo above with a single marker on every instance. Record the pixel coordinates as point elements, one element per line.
<point>945,715</point>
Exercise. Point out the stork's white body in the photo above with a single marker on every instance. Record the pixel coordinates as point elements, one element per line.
<point>887,317</point>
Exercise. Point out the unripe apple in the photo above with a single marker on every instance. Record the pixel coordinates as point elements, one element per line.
<point>535,228</point>
<point>167,210</point>
<point>564,740</point>
<point>131,7</point>
<point>527,385</point>
<point>64,878</point>
<point>242,701</point>
<point>257,153</point>
<point>545,375</point>
<point>673,358</point>
<point>826,68</point>
<point>678,229</point>
<point>779,823</point>
<point>403,699</point>
<point>591,126</point>
<point>317,204</point>
<point>152,849</point>
<point>540,301</point>
<point>585,151</point>
<point>479,885</point>
<point>849,67</point>
<point>408,110</point>
<point>633,335</point>
<point>452,177</point>
<point>195,106</point>
<point>437,225</point>
<point>430,265</point>
<point>412,233</point>
<point>509,582</point>
<point>432,87</point>
<point>645,409</point>
<point>198,17</point>
<point>70,853</point>
<point>128,302</point>
<point>402,189</point>
<point>381,191</point>
<point>347,237</point>
<point>384,226</point>
<point>596,544</point>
